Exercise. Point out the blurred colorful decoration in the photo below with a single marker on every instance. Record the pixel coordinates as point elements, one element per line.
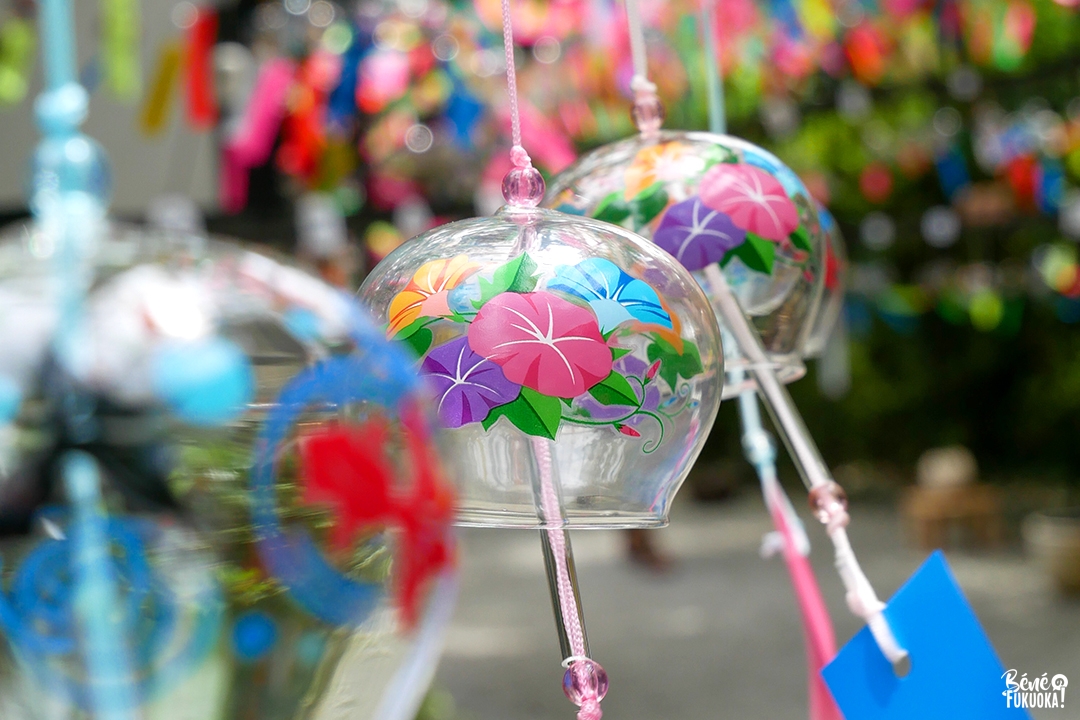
<point>120,47</point>
<point>200,34</point>
<point>17,44</point>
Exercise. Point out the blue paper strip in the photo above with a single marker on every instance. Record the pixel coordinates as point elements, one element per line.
<point>955,673</point>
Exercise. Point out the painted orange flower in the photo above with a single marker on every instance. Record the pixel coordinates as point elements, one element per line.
<point>666,162</point>
<point>426,293</point>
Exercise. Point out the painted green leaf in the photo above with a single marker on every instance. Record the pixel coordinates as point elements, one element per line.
<point>614,390</point>
<point>531,413</point>
<point>517,275</point>
<point>756,252</point>
<point>800,238</point>
<point>672,363</point>
<point>612,209</point>
<point>648,204</point>
<point>419,341</point>
<point>716,154</point>
<point>618,352</point>
<point>413,327</point>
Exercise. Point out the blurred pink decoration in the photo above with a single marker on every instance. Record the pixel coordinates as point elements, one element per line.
<point>548,146</point>
<point>250,146</point>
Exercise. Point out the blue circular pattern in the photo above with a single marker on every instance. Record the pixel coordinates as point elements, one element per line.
<point>37,615</point>
<point>254,636</point>
<point>377,371</point>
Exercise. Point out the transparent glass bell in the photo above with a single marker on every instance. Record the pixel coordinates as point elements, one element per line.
<point>560,351</point>
<point>832,301</point>
<point>218,490</point>
<point>706,199</point>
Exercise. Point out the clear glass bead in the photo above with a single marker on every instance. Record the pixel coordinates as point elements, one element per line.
<point>585,678</point>
<point>648,114</point>
<point>523,187</point>
<point>824,498</point>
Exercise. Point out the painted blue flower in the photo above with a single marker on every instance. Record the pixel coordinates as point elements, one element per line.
<point>613,295</point>
<point>461,298</point>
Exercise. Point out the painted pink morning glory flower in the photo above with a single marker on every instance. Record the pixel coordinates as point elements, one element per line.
<point>543,342</point>
<point>467,385</point>
<point>696,235</point>
<point>752,198</point>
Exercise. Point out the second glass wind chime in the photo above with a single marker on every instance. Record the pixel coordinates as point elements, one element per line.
<point>577,365</point>
<point>744,224</point>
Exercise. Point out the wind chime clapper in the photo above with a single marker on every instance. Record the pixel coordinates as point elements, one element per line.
<point>827,499</point>
<point>585,681</point>
<point>69,193</point>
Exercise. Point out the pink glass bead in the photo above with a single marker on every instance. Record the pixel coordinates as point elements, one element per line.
<point>523,187</point>
<point>824,497</point>
<point>583,679</point>
<point>648,113</point>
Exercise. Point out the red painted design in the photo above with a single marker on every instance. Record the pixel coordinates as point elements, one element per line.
<point>348,469</point>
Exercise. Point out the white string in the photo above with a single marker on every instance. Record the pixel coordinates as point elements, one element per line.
<point>860,595</point>
<point>640,81</point>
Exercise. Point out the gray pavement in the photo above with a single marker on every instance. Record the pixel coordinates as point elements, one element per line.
<point>719,636</point>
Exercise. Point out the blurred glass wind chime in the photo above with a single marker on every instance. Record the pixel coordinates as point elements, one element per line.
<point>252,518</point>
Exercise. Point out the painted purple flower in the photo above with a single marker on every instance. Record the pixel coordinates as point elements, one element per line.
<point>697,235</point>
<point>467,385</point>
<point>631,367</point>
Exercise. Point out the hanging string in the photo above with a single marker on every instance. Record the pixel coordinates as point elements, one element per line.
<point>523,186</point>
<point>648,112</point>
<point>827,499</point>
<point>585,681</point>
<point>518,156</point>
<point>714,80</point>
<point>638,53</point>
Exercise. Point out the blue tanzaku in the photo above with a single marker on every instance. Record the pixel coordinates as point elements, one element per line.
<point>954,674</point>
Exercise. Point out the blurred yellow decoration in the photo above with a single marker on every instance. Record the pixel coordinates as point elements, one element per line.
<point>121,27</point>
<point>158,100</point>
<point>432,92</point>
<point>382,238</point>
<point>986,310</point>
<point>920,48</point>
<point>17,41</point>
<point>818,18</point>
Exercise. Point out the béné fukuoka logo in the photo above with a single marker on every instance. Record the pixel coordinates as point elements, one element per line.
<point>1037,692</point>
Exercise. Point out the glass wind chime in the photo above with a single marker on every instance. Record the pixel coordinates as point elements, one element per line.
<point>214,470</point>
<point>744,224</point>
<point>577,366</point>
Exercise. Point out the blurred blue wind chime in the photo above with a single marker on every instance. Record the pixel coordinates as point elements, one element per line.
<point>82,595</point>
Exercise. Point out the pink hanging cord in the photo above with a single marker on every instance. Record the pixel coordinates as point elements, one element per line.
<point>817,625</point>
<point>518,156</point>
<point>590,694</point>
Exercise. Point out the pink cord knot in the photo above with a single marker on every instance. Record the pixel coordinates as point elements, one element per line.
<point>519,157</point>
<point>590,709</point>
<point>648,111</point>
